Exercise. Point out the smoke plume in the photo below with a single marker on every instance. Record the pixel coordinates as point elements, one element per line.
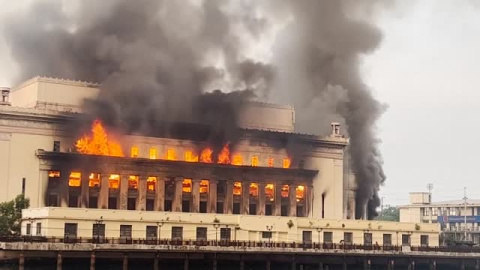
<point>159,60</point>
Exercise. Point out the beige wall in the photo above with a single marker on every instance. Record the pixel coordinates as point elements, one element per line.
<point>410,214</point>
<point>249,227</point>
<point>267,116</point>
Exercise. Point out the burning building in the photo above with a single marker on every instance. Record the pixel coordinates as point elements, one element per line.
<point>269,175</point>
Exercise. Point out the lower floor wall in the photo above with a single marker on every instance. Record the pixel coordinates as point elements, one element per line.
<point>103,223</point>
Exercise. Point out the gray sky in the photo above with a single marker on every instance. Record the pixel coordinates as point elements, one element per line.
<point>426,70</point>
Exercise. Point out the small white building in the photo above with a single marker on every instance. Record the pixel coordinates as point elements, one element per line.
<point>459,219</point>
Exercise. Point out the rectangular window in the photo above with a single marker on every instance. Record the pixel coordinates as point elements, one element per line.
<point>70,231</point>
<point>252,209</point>
<point>151,183</point>
<point>187,185</point>
<point>190,157</point>
<point>39,229</point>
<point>131,203</point>
<point>133,182</point>
<point>284,191</point>
<point>152,153</point>
<point>56,146</point>
<point>98,231</point>
<point>387,239</point>
<point>269,195</point>
<point>225,234</point>
<point>125,234</point>
<point>204,186</point>
<point>168,205</point>
<point>94,180</point>
<point>348,238</point>
<point>73,200</point>
<point>219,207</point>
<point>270,162</point>
<point>112,202</point>
<point>253,189</point>
<point>201,234</point>
<point>307,237</point>
<point>150,204</point>
<point>405,240</point>
<point>114,181</point>
<point>171,154</point>
<point>53,200</point>
<point>266,235</point>
<point>177,233</point>
<point>23,185</point>
<point>203,207</point>
<point>254,161</point>
<point>424,240</point>
<point>237,188</point>
<point>74,179</point>
<point>367,239</point>
<point>134,152</point>
<point>54,174</point>
<point>284,210</point>
<point>328,237</point>
<point>152,232</point>
<point>93,202</point>
<point>28,229</point>
<point>186,206</point>
<point>268,210</point>
<point>236,208</point>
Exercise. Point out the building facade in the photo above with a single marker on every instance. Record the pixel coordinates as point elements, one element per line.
<point>459,219</point>
<point>155,178</point>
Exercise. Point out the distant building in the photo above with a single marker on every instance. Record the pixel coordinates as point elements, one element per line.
<point>449,214</point>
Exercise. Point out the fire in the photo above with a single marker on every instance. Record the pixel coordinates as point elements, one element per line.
<point>237,160</point>
<point>286,163</point>
<point>224,156</point>
<point>206,155</point>
<point>171,154</point>
<point>98,143</point>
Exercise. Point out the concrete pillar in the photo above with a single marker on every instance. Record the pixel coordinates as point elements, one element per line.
<point>320,266</point>
<point>125,262</point>
<point>261,199</point>
<point>59,261</point>
<point>142,193</point>
<point>292,189</point>
<point>178,196</point>
<point>63,188</point>
<point>160,193</point>
<point>214,263</point>
<point>123,196</point>
<point>245,205</point>
<point>156,263</point>
<point>103,193</point>
<point>84,188</point>
<point>195,195</point>
<point>228,204</point>
<point>185,263</point>
<point>92,261</point>
<point>367,264</point>
<point>268,265</point>
<point>308,201</point>
<point>21,261</point>
<point>212,196</point>
<point>277,211</point>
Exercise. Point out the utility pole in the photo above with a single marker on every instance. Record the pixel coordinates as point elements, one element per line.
<point>381,207</point>
<point>465,211</point>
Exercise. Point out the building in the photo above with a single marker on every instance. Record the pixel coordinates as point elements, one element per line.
<point>139,183</point>
<point>459,219</point>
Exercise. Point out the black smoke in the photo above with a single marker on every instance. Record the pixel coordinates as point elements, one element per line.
<point>159,60</point>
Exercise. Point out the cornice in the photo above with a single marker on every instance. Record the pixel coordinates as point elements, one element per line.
<point>56,81</point>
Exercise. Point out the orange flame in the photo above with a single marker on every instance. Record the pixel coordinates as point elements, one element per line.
<point>206,155</point>
<point>286,163</point>
<point>98,143</point>
<point>224,156</point>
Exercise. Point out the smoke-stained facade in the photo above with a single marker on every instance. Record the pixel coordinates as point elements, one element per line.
<point>159,62</point>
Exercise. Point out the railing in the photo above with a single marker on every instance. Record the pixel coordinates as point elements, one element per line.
<point>236,244</point>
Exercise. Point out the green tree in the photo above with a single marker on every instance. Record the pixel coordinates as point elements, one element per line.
<point>389,213</point>
<point>11,215</point>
